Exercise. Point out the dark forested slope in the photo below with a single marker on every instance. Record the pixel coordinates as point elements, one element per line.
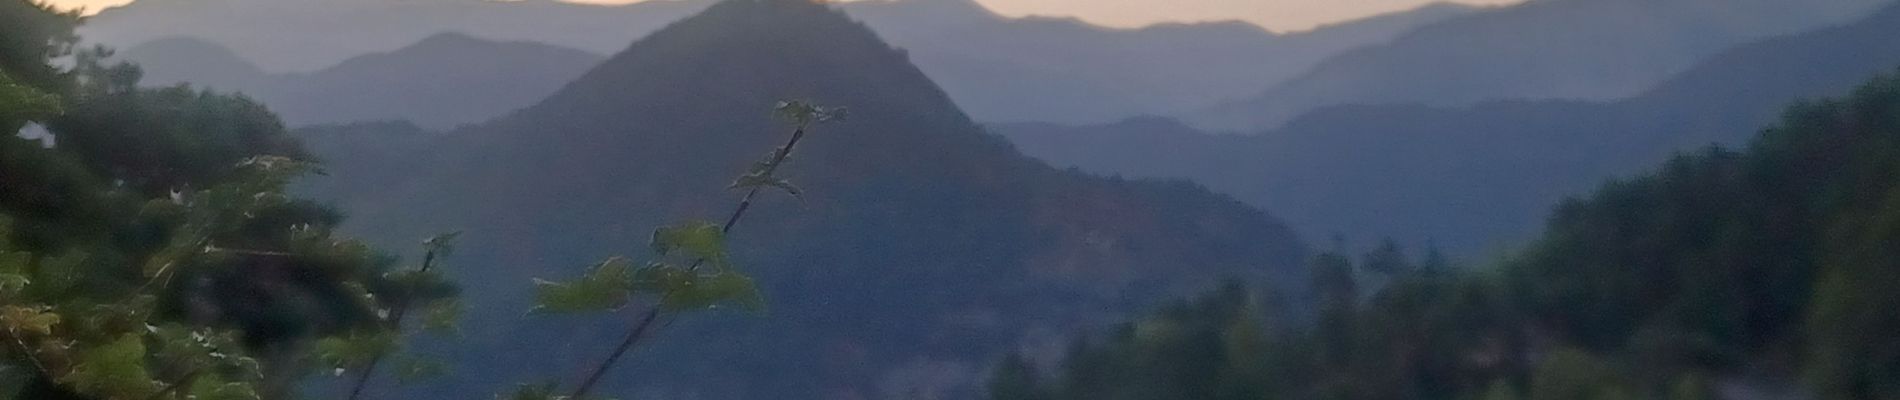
<point>1765,272</point>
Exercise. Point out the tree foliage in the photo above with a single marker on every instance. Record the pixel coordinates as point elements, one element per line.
<point>152,250</point>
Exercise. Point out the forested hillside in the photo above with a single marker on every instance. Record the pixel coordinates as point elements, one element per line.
<point>1762,272</point>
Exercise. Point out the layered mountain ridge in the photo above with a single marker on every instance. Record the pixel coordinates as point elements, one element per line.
<point>991,64</point>
<point>440,82</point>
<point>1590,50</point>
<point>1477,180</point>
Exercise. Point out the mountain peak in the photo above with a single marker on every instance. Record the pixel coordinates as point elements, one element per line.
<point>450,39</point>
<point>460,43</point>
<point>758,52</point>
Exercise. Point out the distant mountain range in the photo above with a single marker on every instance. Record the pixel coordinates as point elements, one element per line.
<point>1065,70</point>
<point>440,82</point>
<point>997,68</point>
<point>1478,178</point>
<point>307,35</point>
<point>921,249</point>
<point>1553,49</point>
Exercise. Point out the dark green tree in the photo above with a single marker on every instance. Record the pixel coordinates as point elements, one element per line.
<point>152,250</point>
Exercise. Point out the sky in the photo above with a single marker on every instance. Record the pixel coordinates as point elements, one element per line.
<point>1278,15</point>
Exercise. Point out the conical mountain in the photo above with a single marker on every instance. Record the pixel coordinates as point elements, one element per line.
<point>922,248</point>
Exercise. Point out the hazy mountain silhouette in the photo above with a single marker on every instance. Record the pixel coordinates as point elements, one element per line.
<point>174,60</point>
<point>1065,70</point>
<point>921,248</point>
<point>1473,178</point>
<point>1555,49</point>
<point>307,35</point>
<point>992,65</point>
<point>442,81</point>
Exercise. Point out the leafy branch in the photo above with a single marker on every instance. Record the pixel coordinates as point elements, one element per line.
<point>708,281</point>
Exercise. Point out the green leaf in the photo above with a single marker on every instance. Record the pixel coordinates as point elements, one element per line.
<point>354,350</point>
<point>185,243</point>
<point>214,387</point>
<point>115,370</point>
<point>835,114</point>
<point>701,240</point>
<point>441,245</point>
<point>757,180</point>
<point>128,314</point>
<point>60,273</point>
<point>441,315</point>
<point>12,284</point>
<point>606,287</point>
<point>180,347</point>
<point>662,278</point>
<point>804,113</point>
<point>13,272</point>
<point>711,291</point>
<point>360,294</point>
<point>19,103</point>
<point>14,262</point>
<point>36,319</point>
<point>798,112</point>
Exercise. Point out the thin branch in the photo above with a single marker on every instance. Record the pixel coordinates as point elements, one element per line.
<point>255,253</point>
<point>627,343</point>
<point>28,352</point>
<point>394,321</point>
<point>363,376</point>
<point>770,167</point>
<point>645,322</point>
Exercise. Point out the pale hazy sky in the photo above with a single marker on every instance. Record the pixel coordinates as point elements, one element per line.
<point>1279,15</point>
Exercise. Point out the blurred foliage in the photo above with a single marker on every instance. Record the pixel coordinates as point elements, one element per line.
<point>148,248</point>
